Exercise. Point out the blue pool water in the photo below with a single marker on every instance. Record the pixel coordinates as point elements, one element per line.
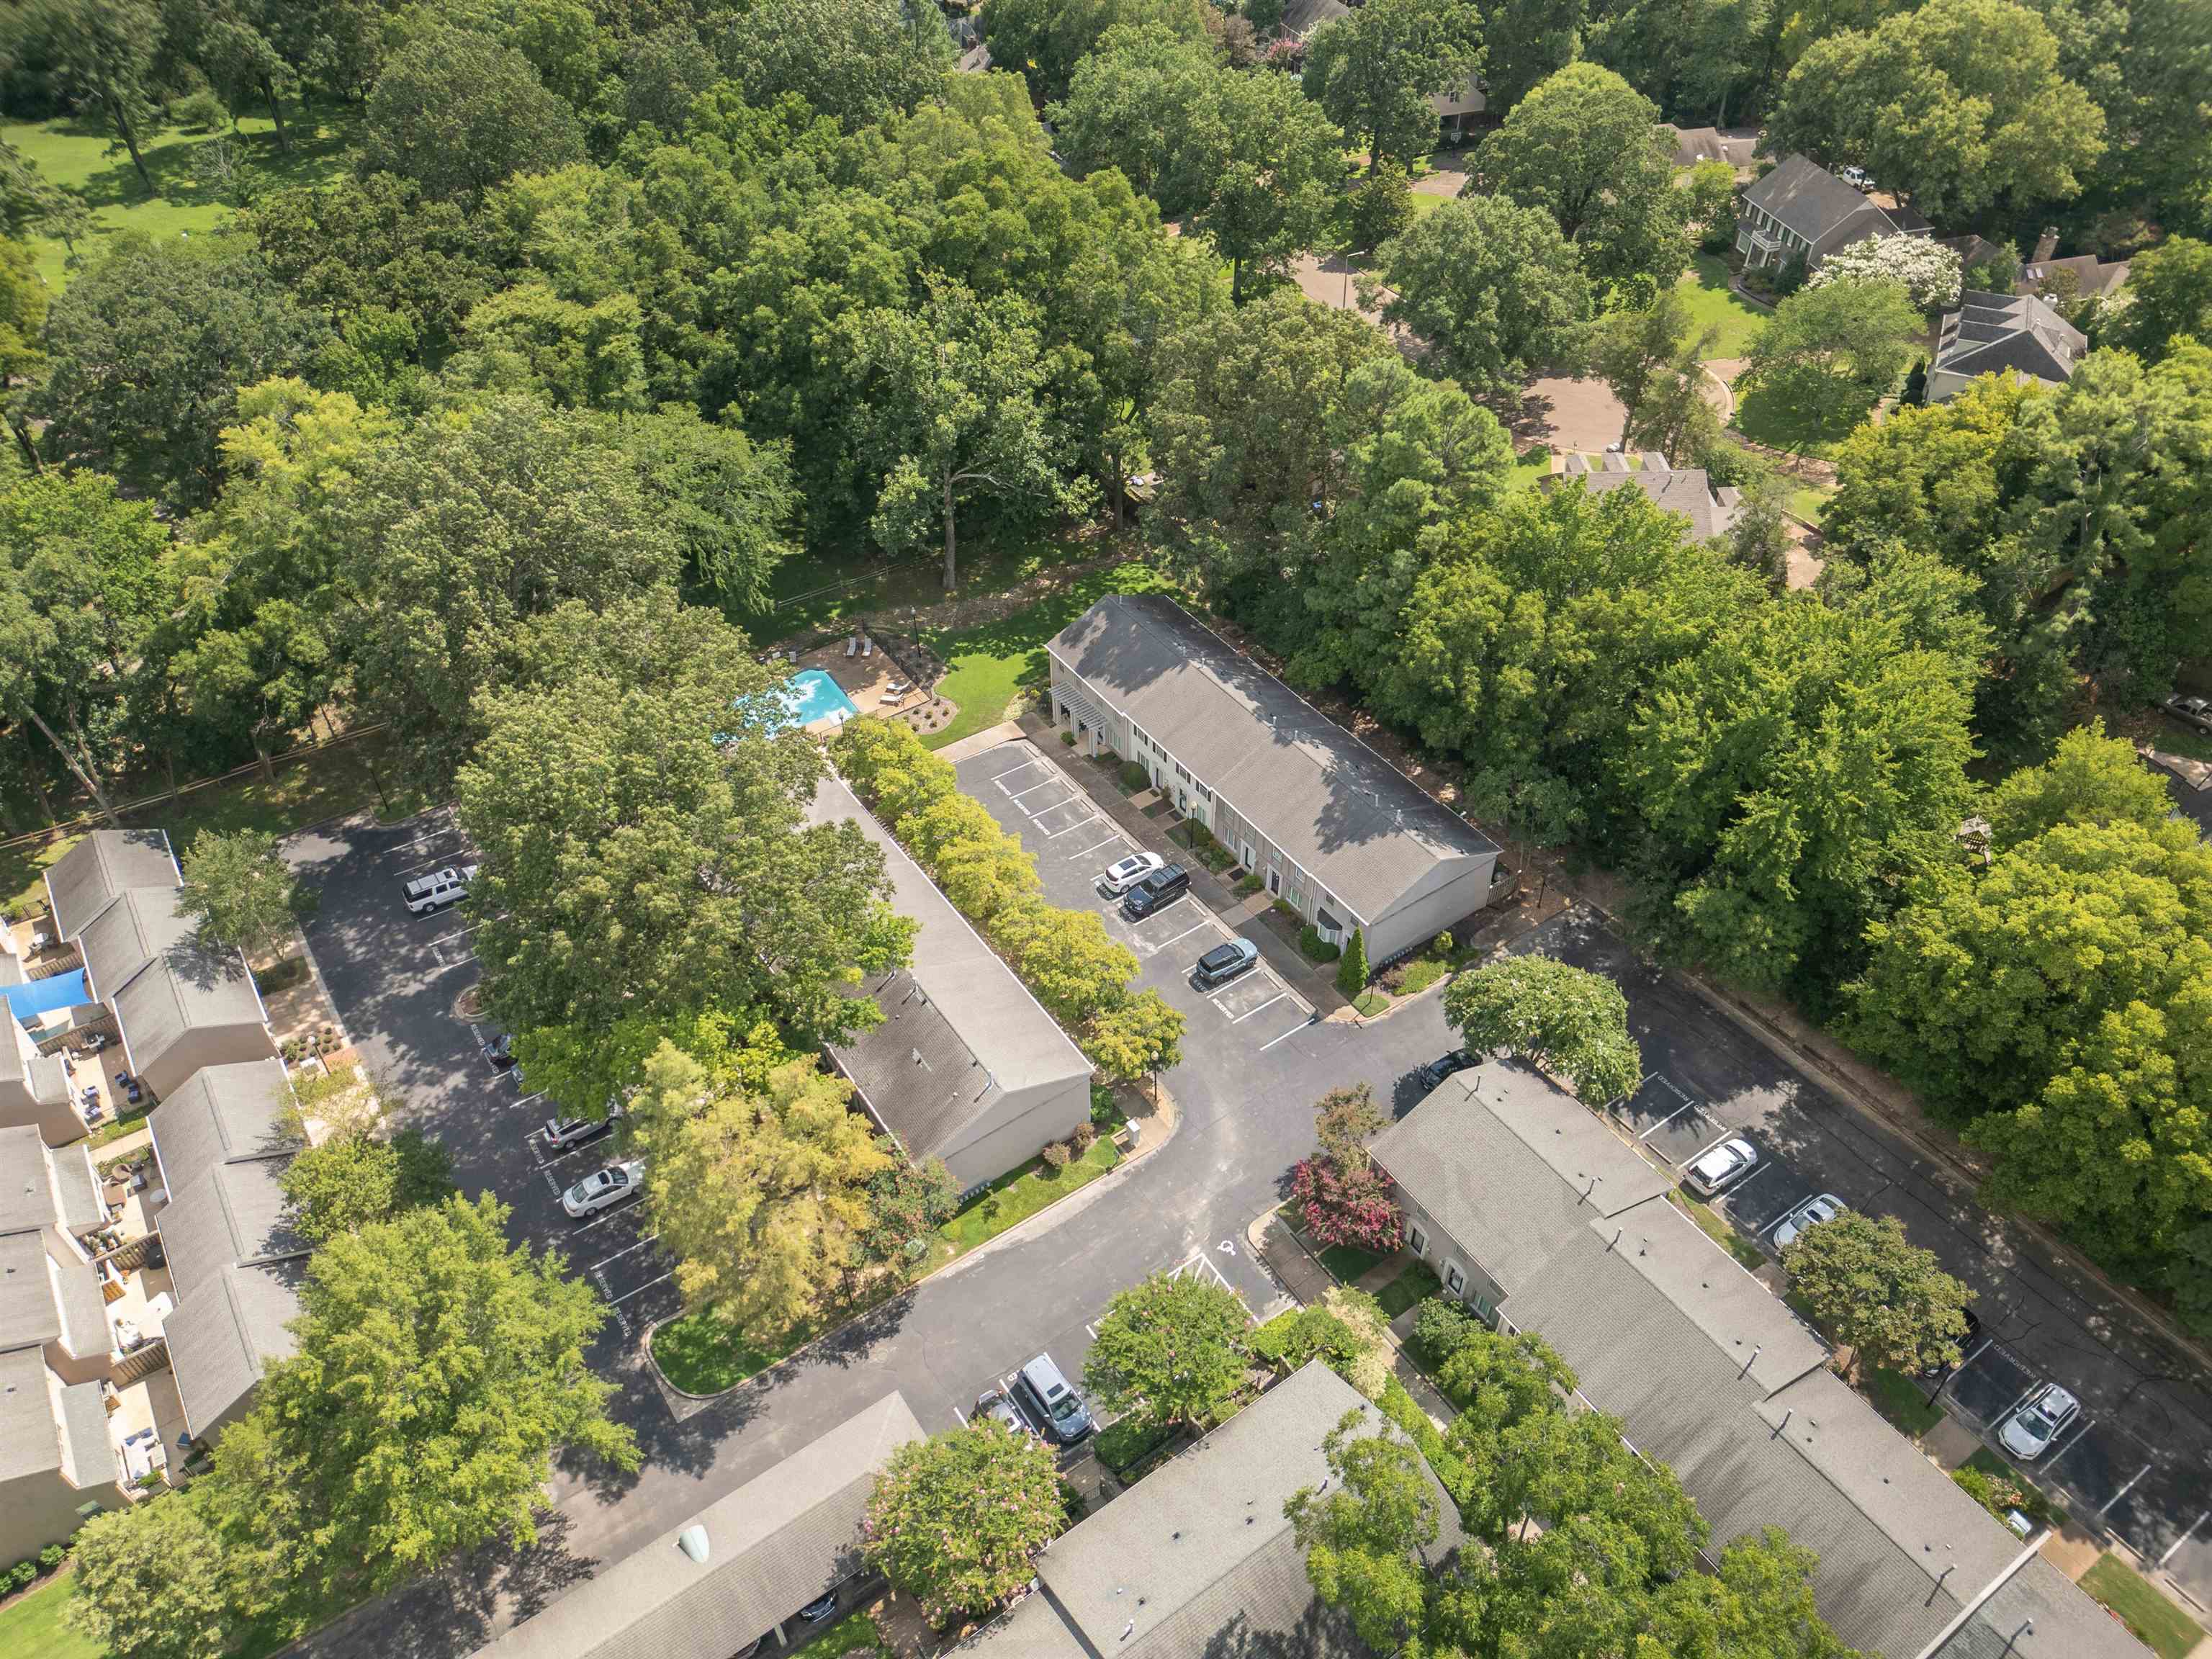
<point>27,1002</point>
<point>812,695</point>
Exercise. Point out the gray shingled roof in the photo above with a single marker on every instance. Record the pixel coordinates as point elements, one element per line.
<point>2092,275</point>
<point>1991,333</point>
<point>1688,490</point>
<point>22,1065</point>
<point>29,1442</point>
<point>1710,1373</point>
<point>1818,206</point>
<point>29,1317</point>
<point>126,936</point>
<point>1696,144</point>
<point>76,1187</point>
<point>222,1114</point>
<point>1199,1558</point>
<point>779,1541</point>
<point>1350,820</point>
<point>27,1193</point>
<point>236,1212</point>
<point>976,1027</point>
<point>87,1455</point>
<point>2037,1613</point>
<point>233,1331</point>
<point>189,986</point>
<point>86,880</point>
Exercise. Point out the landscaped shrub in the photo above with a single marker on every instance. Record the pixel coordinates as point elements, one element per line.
<point>1289,1341</point>
<point>1057,1156</point>
<point>1352,972</point>
<point>1440,1327</point>
<point>1317,948</point>
<point>1083,1138</point>
<point>1134,778</point>
<point>53,1556</point>
<point>1067,740</point>
<point>1345,1203</point>
<point>19,1575</point>
<point>1249,884</point>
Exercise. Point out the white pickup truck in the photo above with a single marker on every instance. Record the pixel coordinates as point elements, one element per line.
<point>440,887</point>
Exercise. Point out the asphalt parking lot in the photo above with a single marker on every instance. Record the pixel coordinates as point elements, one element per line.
<point>1074,842</point>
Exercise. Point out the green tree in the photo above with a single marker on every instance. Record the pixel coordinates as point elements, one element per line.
<point>643,833</point>
<point>1047,40</point>
<point>907,1202</point>
<point>1828,354</point>
<point>22,325</point>
<point>456,112</point>
<point>1170,1352</point>
<point>1492,287</point>
<point>1956,104</point>
<point>857,61</point>
<point>1525,43</point>
<point>957,411</point>
<point>2169,294</point>
<point>1645,356</point>
<point>1382,206</point>
<point>1143,101</point>
<point>151,1581</point>
<point>1366,1540</point>
<point>1891,1302</point>
<point>240,891</point>
<point>147,349</point>
<point>105,53</point>
<point>341,1185</point>
<point>1565,1019</point>
<point>1351,968</point>
<point>956,1520</point>
<point>1273,164</point>
<point>1585,146</point>
<point>1345,1120</point>
<point>1133,1034</point>
<point>731,502</point>
<point>1373,69</point>
<point>760,1193</point>
<point>438,1371</point>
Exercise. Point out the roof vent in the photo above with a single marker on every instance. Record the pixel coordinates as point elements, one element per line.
<point>692,1540</point>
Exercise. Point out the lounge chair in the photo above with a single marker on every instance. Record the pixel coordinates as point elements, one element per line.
<point>867,646</point>
<point>852,644</point>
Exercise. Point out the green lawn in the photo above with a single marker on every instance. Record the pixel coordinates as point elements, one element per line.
<point>988,667</point>
<point>2164,1628</point>
<point>1529,469</point>
<point>1715,304</point>
<point>1763,418</point>
<point>1128,1442</point>
<point>1715,1227</point>
<point>1348,1262</point>
<point>1809,502</point>
<point>1019,1195</point>
<point>816,588</point>
<point>33,1625</point>
<point>1416,1283</point>
<point>855,1633</point>
<point>1368,1004</point>
<point>1902,1401</point>
<point>701,1355</point>
<point>83,157</point>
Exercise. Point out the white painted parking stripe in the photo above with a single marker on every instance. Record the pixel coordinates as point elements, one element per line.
<point>608,1215</point>
<point>1736,1191</point>
<point>2184,1539</point>
<point>1669,1118</point>
<point>626,1250</point>
<point>618,1300</point>
<point>1093,848</point>
<point>1286,1035</point>
<point>1024,763</point>
<point>1223,990</point>
<point>1263,1008</point>
<point>2125,1490</point>
<point>1081,823</point>
<point>459,932</point>
<point>1784,1216</point>
<point>1186,933</point>
<point>2080,1427</point>
<point>1016,794</point>
<point>960,1416</point>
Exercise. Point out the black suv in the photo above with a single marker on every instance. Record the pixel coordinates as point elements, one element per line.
<point>1443,1066</point>
<point>1156,891</point>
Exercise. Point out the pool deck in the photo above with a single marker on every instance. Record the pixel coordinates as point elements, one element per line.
<point>866,680</point>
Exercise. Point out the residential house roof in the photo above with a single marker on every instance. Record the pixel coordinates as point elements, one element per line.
<point>1199,1558</point>
<point>29,1443</point>
<point>237,1327</point>
<point>29,1315</point>
<point>1350,819</point>
<point>43,1186</point>
<point>1994,333</point>
<point>233,1214</point>
<point>22,1067</point>
<point>781,1540</point>
<point>125,937</point>
<point>1708,1372</point>
<point>1819,207</point>
<point>2091,275</point>
<point>85,880</point>
<point>1695,144</point>
<point>1688,490</point>
<point>1302,17</point>
<point>959,1029</point>
<point>221,1114</point>
<point>187,985</point>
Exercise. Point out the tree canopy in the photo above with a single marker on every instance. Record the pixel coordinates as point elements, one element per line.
<point>1563,1019</point>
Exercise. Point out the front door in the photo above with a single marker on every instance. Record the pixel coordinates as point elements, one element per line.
<point>1275,881</point>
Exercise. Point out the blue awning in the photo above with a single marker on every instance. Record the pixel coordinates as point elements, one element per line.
<point>41,996</point>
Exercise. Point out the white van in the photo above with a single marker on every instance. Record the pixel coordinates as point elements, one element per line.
<point>440,887</point>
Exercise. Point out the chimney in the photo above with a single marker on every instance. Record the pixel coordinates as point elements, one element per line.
<point>2046,245</point>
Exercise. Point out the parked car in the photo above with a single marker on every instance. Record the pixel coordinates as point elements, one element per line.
<point>1156,891</point>
<point>1121,878</point>
<point>1444,1065</point>
<point>1966,1344</point>
<point>499,1051</point>
<point>2192,711</point>
<point>1810,1214</point>
<point>998,1404</point>
<point>1225,962</point>
<point>602,1187</point>
<point>1856,178</point>
<point>565,1131</point>
<point>1052,1401</point>
<point>440,887</point>
<point>2038,1420</point>
<point>815,1612</point>
<point>1721,1166</point>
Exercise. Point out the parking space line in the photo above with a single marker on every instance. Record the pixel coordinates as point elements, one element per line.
<point>459,932</point>
<point>2079,1428</point>
<point>1016,794</point>
<point>626,1250</point>
<point>607,1215</point>
<point>1186,933</point>
<point>1687,1105</point>
<point>1776,1221</point>
<point>1288,1034</point>
<point>438,863</point>
<point>617,1301</point>
<point>1736,1191</point>
<point>1081,823</point>
<point>2125,1490</point>
<point>1095,846</point>
<point>2185,1537</point>
<point>960,1416</point>
<point>1214,996</point>
<point>1023,764</point>
<point>1269,1004</point>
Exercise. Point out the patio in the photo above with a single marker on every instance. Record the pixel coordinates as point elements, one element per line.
<point>868,681</point>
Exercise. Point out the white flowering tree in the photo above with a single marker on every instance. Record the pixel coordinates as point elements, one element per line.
<point>1930,272</point>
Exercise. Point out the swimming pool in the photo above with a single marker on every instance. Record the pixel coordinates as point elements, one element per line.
<point>812,694</point>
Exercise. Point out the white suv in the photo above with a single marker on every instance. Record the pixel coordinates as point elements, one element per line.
<point>440,887</point>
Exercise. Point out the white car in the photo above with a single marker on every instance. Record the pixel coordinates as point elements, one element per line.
<point>2038,1420</point>
<point>1721,1165</point>
<point>565,1131</point>
<point>1806,1217</point>
<point>440,887</point>
<point>1121,878</point>
<point>602,1187</point>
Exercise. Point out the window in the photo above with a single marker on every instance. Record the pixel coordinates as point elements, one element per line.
<point>1204,793</point>
<point>1181,773</point>
<point>1454,1281</point>
<point>1139,731</point>
<point>1419,1241</point>
<point>1482,1304</point>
